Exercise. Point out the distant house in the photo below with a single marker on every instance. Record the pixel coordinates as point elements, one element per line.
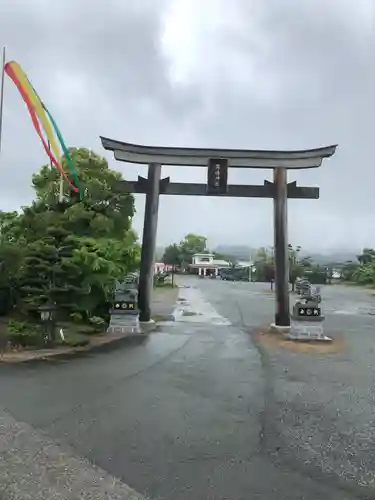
<point>204,264</point>
<point>160,267</point>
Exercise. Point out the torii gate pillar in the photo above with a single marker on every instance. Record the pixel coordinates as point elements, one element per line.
<point>280,217</point>
<point>150,226</point>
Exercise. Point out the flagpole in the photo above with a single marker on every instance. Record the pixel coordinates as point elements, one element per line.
<point>61,186</point>
<point>2,95</point>
<point>61,190</point>
<point>49,149</point>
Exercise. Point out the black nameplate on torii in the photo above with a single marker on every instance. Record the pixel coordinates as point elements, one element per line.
<point>235,191</point>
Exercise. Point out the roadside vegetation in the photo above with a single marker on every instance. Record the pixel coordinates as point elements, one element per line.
<point>69,254</point>
<point>362,271</point>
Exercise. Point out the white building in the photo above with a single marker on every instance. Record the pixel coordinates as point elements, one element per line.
<point>160,267</point>
<point>204,264</point>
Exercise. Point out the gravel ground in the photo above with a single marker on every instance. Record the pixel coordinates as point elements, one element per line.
<point>320,407</point>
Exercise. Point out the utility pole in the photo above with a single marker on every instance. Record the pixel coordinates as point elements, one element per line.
<point>250,267</point>
<point>61,189</point>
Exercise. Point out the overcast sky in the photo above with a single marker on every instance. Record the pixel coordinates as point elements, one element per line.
<point>256,74</point>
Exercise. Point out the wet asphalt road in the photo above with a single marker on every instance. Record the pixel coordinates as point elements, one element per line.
<point>200,412</point>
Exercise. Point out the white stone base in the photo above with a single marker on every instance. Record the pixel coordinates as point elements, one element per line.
<point>147,326</point>
<point>307,332</point>
<point>123,324</point>
<point>279,329</point>
<point>123,330</point>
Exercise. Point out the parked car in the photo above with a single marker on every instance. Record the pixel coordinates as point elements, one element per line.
<point>234,274</point>
<point>226,276</point>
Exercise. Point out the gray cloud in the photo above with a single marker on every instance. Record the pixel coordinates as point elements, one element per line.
<point>260,74</point>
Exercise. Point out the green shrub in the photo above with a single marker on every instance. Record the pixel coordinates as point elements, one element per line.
<point>97,324</point>
<point>96,321</point>
<point>23,334</point>
<point>15,326</point>
<point>74,340</point>
<point>87,329</point>
<point>76,317</point>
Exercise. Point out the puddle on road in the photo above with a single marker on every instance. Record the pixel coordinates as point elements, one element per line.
<point>350,311</point>
<point>195,308</point>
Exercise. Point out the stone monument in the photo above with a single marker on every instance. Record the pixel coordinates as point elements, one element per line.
<point>124,314</point>
<point>307,316</point>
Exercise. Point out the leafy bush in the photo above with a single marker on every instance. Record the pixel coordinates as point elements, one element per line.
<point>23,334</point>
<point>76,317</point>
<point>96,321</point>
<point>87,329</point>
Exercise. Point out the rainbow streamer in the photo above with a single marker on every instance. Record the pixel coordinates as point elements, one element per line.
<point>41,116</point>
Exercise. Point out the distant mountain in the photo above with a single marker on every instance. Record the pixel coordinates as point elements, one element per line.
<point>237,251</point>
<point>335,257</point>
<point>243,252</point>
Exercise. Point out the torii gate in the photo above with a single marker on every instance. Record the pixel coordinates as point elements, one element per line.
<point>217,162</point>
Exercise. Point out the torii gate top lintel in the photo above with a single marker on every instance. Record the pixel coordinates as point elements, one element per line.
<point>199,157</point>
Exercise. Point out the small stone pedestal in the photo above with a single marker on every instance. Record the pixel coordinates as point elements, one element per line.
<point>124,314</point>
<point>123,324</point>
<point>307,321</point>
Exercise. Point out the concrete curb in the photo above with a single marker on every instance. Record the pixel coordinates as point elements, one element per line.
<point>75,352</point>
<point>32,465</point>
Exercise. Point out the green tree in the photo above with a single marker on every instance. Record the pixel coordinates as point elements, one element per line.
<point>76,250</point>
<point>264,265</point>
<point>228,258</point>
<point>11,254</point>
<point>172,255</point>
<point>192,244</point>
<point>364,273</point>
<point>367,256</point>
<point>8,227</point>
<point>306,262</point>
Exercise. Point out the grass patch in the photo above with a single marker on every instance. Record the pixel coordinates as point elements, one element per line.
<point>16,335</point>
<point>166,284</point>
<point>74,339</point>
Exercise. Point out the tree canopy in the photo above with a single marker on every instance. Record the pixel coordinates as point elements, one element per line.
<point>172,255</point>
<point>181,254</point>
<point>362,271</point>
